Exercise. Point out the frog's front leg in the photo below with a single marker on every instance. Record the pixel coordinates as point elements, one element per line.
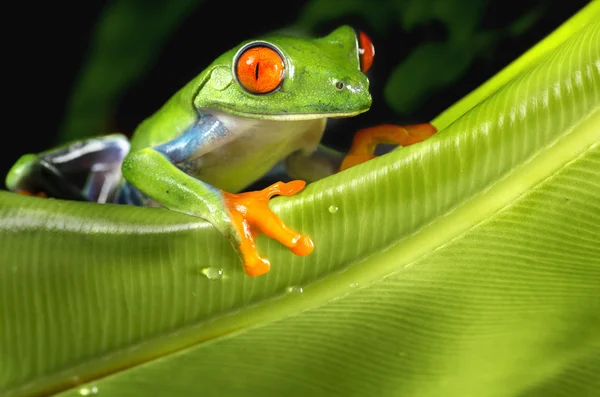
<point>238,216</point>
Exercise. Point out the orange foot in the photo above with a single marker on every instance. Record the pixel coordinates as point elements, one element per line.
<point>250,215</point>
<point>365,140</point>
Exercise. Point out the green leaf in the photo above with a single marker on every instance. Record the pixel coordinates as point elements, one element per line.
<point>467,265</point>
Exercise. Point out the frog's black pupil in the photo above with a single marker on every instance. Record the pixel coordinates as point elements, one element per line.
<point>256,70</point>
<point>339,85</point>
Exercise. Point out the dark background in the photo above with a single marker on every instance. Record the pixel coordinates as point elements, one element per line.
<point>46,44</point>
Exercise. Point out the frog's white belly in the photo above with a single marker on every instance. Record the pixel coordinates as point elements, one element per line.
<point>253,148</point>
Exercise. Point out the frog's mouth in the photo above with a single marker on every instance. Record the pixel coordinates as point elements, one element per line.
<point>299,116</point>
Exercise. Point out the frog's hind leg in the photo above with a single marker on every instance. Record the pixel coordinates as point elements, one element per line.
<point>87,170</point>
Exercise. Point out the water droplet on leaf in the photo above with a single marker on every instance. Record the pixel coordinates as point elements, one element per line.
<point>86,391</point>
<point>295,289</point>
<point>212,273</point>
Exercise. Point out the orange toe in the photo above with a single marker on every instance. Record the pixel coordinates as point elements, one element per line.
<point>304,246</point>
<point>257,267</point>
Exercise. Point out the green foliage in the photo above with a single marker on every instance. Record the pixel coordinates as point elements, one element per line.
<point>467,265</point>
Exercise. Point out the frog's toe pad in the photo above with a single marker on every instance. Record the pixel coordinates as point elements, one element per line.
<point>303,246</point>
<point>256,266</point>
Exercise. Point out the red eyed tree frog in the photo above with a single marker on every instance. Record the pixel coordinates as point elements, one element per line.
<point>260,106</point>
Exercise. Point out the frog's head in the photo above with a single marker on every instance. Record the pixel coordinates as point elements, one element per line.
<point>286,77</point>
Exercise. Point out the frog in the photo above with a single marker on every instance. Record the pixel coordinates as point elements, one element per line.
<point>259,108</point>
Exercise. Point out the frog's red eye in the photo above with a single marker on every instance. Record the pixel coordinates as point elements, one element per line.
<point>366,52</point>
<point>259,68</point>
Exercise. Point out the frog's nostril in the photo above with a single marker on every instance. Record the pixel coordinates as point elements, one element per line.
<point>339,85</point>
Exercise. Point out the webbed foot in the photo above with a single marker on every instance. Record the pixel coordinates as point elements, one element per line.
<point>250,215</point>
